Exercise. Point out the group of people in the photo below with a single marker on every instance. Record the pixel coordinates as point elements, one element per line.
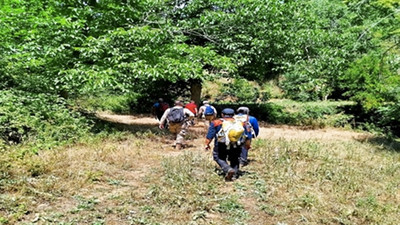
<point>232,133</point>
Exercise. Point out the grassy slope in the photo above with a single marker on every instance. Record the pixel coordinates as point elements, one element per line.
<point>136,178</point>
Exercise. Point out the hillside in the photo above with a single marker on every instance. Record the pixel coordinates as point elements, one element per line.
<point>295,176</point>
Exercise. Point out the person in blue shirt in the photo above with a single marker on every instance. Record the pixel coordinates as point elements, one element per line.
<point>243,112</point>
<point>224,151</point>
<point>159,108</point>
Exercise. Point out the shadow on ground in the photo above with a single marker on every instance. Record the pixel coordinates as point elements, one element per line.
<point>387,143</point>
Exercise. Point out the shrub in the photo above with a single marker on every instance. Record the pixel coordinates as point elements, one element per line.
<point>302,87</point>
<point>42,119</point>
<point>242,90</point>
<point>108,102</point>
<point>390,117</point>
<point>318,114</point>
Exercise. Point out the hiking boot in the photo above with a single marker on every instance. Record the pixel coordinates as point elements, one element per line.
<point>244,163</point>
<point>229,175</point>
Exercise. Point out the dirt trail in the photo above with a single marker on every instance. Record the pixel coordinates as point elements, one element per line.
<point>266,132</point>
<point>127,119</point>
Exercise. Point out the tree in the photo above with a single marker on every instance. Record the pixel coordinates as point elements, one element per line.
<point>78,46</point>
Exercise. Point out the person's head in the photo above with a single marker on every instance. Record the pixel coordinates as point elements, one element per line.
<point>227,112</point>
<point>178,102</point>
<point>160,100</point>
<point>206,102</point>
<point>191,101</point>
<point>243,110</point>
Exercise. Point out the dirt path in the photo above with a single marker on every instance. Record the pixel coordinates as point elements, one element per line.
<point>266,132</point>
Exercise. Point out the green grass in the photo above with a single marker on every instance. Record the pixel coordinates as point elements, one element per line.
<point>117,103</point>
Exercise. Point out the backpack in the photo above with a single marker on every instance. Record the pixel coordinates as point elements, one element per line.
<point>232,132</point>
<point>245,120</point>
<point>176,115</point>
<point>209,111</point>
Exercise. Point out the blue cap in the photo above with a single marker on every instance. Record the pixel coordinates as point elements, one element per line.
<point>228,111</point>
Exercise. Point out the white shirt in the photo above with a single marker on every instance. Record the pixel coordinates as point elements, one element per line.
<point>186,111</point>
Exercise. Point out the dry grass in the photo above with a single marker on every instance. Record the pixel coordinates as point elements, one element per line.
<point>295,177</point>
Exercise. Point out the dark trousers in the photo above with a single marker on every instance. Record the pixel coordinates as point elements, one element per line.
<point>244,154</point>
<point>159,115</point>
<point>221,155</point>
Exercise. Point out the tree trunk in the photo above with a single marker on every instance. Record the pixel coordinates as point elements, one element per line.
<point>195,91</point>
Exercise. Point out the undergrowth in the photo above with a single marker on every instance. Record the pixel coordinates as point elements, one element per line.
<point>40,120</point>
<point>312,114</point>
<point>117,103</point>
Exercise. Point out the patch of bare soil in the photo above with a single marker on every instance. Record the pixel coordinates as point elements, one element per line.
<point>297,133</point>
<point>127,119</point>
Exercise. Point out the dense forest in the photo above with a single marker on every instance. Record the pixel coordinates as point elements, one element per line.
<point>55,52</point>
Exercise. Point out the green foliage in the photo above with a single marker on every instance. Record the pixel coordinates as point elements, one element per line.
<point>390,117</point>
<point>241,90</point>
<point>304,88</point>
<point>257,48</point>
<point>130,59</point>
<point>40,118</point>
<point>319,50</point>
<point>108,102</point>
<point>270,90</point>
<point>315,114</point>
<point>96,45</point>
<point>370,82</point>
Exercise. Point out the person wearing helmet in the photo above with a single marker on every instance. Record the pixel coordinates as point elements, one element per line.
<point>253,128</point>
<point>227,147</point>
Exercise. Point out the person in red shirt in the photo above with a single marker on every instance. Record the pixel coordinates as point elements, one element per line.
<point>192,107</point>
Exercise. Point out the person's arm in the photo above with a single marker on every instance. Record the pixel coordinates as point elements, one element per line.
<point>210,135</point>
<point>163,118</point>
<point>188,113</point>
<point>248,135</point>
<point>254,123</point>
<point>201,110</point>
<point>215,112</point>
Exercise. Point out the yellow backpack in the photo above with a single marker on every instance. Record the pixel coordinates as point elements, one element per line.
<point>232,132</point>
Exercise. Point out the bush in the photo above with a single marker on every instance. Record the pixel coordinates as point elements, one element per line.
<point>390,117</point>
<point>108,102</point>
<point>41,119</point>
<point>302,87</point>
<point>382,120</point>
<point>317,114</point>
<point>241,90</point>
